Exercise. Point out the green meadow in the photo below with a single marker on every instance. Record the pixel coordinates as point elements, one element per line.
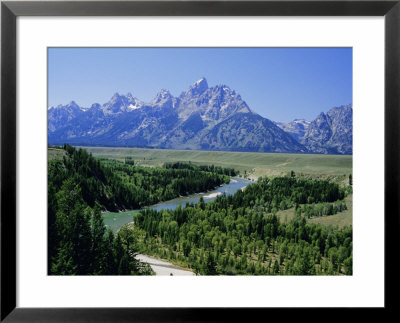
<point>255,164</point>
<point>55,153</point>
<point>341,219</point>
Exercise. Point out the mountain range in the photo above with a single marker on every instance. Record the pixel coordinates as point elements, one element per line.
<point>203,117</point>
<point>329,133</point>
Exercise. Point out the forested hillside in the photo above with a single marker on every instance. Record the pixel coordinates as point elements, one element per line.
<point>117,185</point>
<point>80,186</point>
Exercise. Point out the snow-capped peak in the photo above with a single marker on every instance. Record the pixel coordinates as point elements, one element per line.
<point>164,93</point>
<point>198,87</point>
<point>132,107</point>
<point>201,80</point>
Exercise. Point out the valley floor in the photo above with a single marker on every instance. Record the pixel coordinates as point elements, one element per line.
<point>250,164</point>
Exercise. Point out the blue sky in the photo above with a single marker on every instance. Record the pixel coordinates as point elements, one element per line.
<point>281,84</point>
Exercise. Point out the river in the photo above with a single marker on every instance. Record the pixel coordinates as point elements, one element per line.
<point>115,220</point>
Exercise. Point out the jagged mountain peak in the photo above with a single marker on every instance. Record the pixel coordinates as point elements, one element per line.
<point>343,109</point>
<point>73,104</point>
<point>163,99</point>
<point>121,103</point>
<point>115,96</point>
<point>331,132</point>
<point>213,104</point>
<point>163,94</point>
<point>224,90</point>
<point>223,87</point>
<point>201,81</point>
<point>129,96</point>
<point>199,87</point>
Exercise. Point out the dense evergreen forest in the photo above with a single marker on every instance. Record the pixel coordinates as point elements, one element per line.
<point>241,234</point>
<point>80,186</point>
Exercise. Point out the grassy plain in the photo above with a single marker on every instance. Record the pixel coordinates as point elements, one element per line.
<point>55,153</point>
<point>341,219</point>
<point>255,164</point>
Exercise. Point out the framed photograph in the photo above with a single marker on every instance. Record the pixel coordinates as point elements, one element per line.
<point>181,160</point>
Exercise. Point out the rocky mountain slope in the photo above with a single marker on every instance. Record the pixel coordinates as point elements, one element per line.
<point>329,133</point>
<point>297,128</point>
<point>198,119</point>
<point>203,117</point>
<point>332,132</point>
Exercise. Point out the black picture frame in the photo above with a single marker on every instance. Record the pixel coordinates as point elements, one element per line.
<point>10,10</point>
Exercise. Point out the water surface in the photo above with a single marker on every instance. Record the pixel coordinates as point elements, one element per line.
<point>115,220</point>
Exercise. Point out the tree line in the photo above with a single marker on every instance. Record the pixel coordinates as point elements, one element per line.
<point>205,168</point>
